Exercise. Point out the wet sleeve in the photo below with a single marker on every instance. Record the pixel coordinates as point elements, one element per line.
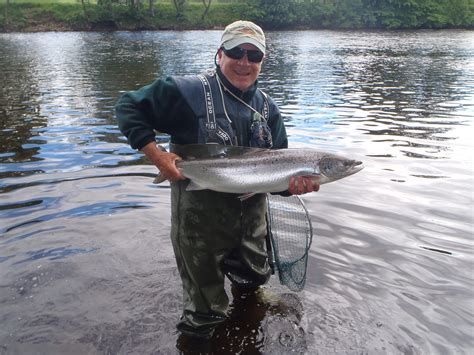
<point>139,113</point>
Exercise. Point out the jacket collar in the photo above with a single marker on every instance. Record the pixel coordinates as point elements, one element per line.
<point>244,95</point>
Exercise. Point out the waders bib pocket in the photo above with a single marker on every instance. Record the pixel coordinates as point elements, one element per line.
<point>260,134</point>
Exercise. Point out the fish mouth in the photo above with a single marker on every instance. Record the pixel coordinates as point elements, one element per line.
<point>356,166</point>
<point>352,166</point>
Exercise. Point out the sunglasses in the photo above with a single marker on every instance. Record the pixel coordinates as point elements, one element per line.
<point>254,56</point>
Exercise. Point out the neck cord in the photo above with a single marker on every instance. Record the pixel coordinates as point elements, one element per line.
<point>222,98</point>
<point>236,97</point>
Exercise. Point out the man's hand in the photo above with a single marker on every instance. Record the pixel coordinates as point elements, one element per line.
<point>164,161</point>
<point>303,184</point>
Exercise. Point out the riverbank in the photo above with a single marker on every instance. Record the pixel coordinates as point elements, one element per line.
<point>88,16</point>
<point>37,17</point>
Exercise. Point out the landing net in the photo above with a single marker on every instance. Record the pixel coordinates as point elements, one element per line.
<point>291,236</point>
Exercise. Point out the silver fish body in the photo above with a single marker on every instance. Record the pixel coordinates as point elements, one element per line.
<point>244,170</point>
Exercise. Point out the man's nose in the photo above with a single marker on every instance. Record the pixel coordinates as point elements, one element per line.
<point>244,59</point>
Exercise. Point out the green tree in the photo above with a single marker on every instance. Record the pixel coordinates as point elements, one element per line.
<point>179,6</point>
<point>459,13</point>
<point>207,5</point>
<point>7,20</point>
<point>84,10</point>
<point>349,14</point>
<point>151,8</point>
<point>277,13</point>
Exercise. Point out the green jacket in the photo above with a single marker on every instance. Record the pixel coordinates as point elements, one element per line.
<point>163,107</point>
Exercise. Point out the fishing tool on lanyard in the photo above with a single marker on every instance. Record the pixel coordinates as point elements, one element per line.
<point>259,132</point>
<point>291,235</point>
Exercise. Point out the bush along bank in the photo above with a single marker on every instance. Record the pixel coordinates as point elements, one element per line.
<point>271,14</point>
<point>32,17</point>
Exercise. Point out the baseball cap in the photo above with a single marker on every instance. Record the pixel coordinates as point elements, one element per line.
<point>240,32</point>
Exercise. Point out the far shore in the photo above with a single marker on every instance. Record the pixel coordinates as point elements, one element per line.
<point>47,16</point>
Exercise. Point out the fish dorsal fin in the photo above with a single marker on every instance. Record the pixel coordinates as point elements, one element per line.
<point>252,150</point>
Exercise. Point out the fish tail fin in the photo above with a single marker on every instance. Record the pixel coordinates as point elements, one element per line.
<point>159,179</point>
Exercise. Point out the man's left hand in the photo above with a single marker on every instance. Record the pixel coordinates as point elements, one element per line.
<point>303,184</point>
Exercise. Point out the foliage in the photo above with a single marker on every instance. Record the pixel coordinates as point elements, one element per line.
<point>207,5</point>
<point>199,14</point>
<point>179,6</point>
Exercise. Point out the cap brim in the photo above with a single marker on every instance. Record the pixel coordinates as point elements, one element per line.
<point>241,40</point>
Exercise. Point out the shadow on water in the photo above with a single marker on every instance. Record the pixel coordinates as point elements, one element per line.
<point>10,187</point>
<point>260,322</point>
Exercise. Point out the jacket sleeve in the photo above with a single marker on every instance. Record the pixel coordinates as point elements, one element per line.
<point>153,107</point>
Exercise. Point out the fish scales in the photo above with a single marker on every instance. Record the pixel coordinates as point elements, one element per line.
<point>244,170</point>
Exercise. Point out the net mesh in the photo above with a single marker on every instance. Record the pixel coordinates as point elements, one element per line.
<point>291,236</point>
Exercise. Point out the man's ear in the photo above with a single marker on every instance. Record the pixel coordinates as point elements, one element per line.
<point>218,56</point>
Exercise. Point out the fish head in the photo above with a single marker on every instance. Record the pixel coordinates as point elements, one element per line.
<point>335,167</point>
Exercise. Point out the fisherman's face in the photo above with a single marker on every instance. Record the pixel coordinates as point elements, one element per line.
<point>240,72</point>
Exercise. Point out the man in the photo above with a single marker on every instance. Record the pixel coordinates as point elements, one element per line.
<point>213,234</point>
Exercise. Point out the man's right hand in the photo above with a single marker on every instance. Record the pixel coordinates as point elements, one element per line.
<point>164,161</point>
<point>303,184</point>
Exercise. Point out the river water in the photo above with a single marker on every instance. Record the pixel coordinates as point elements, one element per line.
<point>86,265</point>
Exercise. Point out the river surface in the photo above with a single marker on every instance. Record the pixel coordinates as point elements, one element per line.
<point>86,264</point>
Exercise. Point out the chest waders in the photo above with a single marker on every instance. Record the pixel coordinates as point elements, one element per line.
<point>215,234</point>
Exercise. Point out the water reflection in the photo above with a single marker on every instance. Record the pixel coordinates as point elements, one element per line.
<point>84,245</point>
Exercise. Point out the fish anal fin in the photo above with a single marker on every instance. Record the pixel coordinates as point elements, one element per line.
<point>192,186</point>
<point>246,196</point>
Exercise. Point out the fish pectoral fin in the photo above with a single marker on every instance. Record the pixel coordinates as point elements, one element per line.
<point>192,186</point>
<point>246,196</point>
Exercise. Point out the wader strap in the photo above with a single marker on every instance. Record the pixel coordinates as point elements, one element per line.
<point>266,107</point>
<point>211,125</point>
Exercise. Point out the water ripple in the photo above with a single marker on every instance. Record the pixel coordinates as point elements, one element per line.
<point>87,264</point>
